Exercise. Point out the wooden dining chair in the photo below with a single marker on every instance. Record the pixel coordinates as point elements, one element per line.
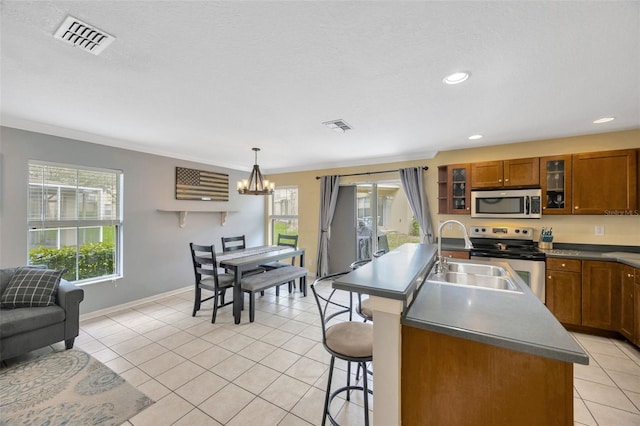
<point>205,268</point>
<point>284,241</point>
<point>233,243</point>
<point>239,243</point>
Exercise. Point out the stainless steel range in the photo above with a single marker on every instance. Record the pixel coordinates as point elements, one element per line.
<point>514,246</point>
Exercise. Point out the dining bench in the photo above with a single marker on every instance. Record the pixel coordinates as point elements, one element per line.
<point>272,278</point>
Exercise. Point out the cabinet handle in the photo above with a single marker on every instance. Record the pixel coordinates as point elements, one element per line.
<point>499,180</point>
<point>576,208</point>
<point>563,265</point>
<point>549,277</point>
<point>629,275</point>
<point>506,180</point>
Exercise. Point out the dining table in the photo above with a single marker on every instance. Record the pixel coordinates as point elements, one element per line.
<point>249,258</point>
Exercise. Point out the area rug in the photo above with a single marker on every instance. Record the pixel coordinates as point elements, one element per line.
<point>66,388</point>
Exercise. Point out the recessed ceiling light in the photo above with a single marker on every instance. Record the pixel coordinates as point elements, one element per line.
<point>456,77</point>
<point>474,137</point>
<point>603,120</point>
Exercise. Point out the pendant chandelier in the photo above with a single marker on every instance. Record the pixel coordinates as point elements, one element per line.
<point>256,184</point>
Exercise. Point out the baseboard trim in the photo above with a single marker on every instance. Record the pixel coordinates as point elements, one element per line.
<point>133,304</point>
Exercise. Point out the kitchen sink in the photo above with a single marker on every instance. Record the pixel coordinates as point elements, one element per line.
<point>474,268</point>
<point>474,275</point>
<point>476,280</point>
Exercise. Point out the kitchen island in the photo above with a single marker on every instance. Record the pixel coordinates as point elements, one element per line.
<point>441,350</point>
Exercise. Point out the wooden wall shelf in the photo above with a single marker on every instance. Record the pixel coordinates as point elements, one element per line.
<point>182,214</point>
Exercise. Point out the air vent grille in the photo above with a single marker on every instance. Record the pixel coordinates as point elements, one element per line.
<point>339,125</point>
<point>80,34</point>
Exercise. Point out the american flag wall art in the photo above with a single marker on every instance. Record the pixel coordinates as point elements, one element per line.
<point>194,184</point>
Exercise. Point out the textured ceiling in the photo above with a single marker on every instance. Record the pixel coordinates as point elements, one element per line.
<point>207,81</point>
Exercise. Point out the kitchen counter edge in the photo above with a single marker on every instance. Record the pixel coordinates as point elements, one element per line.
<point>400,274</point>
<point>518,322</point>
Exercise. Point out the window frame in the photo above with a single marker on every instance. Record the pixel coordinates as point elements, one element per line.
<point>44,223</point>
<point>274,217</point>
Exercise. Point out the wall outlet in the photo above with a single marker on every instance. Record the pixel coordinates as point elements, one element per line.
<point>599,230</point>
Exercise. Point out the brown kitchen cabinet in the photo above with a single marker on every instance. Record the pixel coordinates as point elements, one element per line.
<point>605,182</point>
<point>601,292</point>
<point>594,294</point>
<point>454,191</point>
<point>636,307</point>
<point>443,190</point>
<point>447,380</point>
<point>488,174</point>
<point>520,172</point>
<point>456,254</point>
<point>563,288</point>
<point>627,304</point>
<point>555,181</point>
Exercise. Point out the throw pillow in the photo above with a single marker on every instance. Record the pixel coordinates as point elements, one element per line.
<point>31,287</point>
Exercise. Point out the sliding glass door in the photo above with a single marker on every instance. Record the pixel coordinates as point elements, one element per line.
<point>366,210</point>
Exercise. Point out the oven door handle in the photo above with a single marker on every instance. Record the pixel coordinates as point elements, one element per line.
<point>527,205</point>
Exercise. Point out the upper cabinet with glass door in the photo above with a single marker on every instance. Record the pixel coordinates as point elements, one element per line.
<point>459,189</point>
<point>555,174</point>
<point>454,190</point>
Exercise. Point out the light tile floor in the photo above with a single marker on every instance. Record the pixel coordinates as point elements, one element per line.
<point>274,371</point>
<point>607,391</point>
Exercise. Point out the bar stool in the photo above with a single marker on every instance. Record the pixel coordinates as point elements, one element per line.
<point>351,341</point>
<point>363,308</point>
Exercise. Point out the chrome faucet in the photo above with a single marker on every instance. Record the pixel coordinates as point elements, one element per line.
<point>441,262</point>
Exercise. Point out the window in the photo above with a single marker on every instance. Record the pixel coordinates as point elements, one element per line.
<point>284,212</point>
<point>75,220</point>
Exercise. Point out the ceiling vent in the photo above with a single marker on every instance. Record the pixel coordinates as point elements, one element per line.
<point>339,125</point>
<point>83,35</point>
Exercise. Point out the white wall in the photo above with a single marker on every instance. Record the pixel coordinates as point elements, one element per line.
<point>155,249</point>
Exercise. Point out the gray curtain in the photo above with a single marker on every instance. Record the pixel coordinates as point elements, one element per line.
<point>328,197</point>
<point>413,185</point>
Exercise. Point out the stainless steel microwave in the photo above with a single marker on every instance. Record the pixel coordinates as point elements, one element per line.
<point>508,203</point>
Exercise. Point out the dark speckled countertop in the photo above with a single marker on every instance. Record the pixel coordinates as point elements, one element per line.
<point>628,255</point>
<point>513,320</point>
<point>627,258</point>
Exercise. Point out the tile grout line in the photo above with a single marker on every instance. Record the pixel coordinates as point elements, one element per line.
<point>272,312</point>
<point>617,386</point>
